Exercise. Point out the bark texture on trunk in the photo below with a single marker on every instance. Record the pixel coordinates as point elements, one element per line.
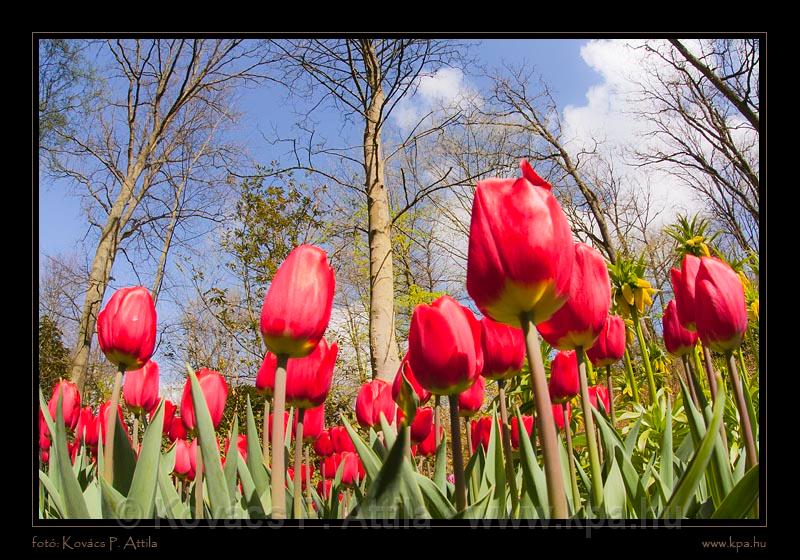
<point>382,340</point>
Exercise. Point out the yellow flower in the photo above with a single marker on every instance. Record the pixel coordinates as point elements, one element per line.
<point>627,293</point>
<point>753,310</point>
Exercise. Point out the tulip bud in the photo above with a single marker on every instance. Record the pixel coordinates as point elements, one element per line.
<point>297,306</point>
<point>169,414</point>
<point>341,440</point>
<point>503,350</point>
<point>471,400</point>
<point>87,431</point>
<point>308,379</point>
<point>407,401</point>
<point>481,431</point>
<point>313,423</point>
<point>445,346</point>
<point>720,310</point>
<point>126,328</point>
<point>558,414</point>
<point>241,446</point>
<point>183,462</point>
<point>323,446</point>
<point>44,433</point>
<point>141,388</point>
<point>373,398</point>
<point>678,340</point>
<point>352,472</point>
<point>405,369</point>
<point>609,347</point>
<point>427,447</point>
<point>580,320</point>
<point>177,429</point>
<point>285,424</point>
<point>70,405</point>
<point>564,383</point>
<point>421,426</point>
<point>602,392</point>
<point>520,249</point>
<point>215,392</point>
<point>527,421</point>
<point>683,285</point>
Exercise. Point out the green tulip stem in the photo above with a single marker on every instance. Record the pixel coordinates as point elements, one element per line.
<point>298,465</point>
<point>135,430</point>
<point>468,433</point>
<point>437,422</point>
<point>278,478</point>
<point>458,456</point>
<point>744,419</point>
<point>111,424</point>
<point>648,368</point>
<point>198,485</point>
<point>591,440</point>
<point>698,368</point>
<point>307,467</point>
<point>698,385</point>
<point>631,376</point>
<point>611,396</point>
<point>576,495</point>
<point>689,379</point>
<point>506,436</point>
<point>544,420</point>
<point>265,434</point>
<point>712,386</point>
<point>751,411</point>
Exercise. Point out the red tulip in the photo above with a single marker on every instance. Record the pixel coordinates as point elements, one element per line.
<point>353,471</point>
<point>609,347</point>
<point>405,368</point>
<point>176,429</point>
<point>308,379</point>
<point>527,421</point>
<point>73,449</point>
<point>558,414</point>
<point>102,417</point>
<point>126,328</point>
<point>45,457</point>
<point>323,446</point>
<point>520,249</point>
<point>183,459</point>
<point>481,431</point>
<point>44,433</point>
<point>141,388</point>
<point>720,310</point>
<point>285,424</point>
<point>564,383</point>
<point>313,422</point>
<point>70,403</point>
<point>427,447</point>
<point>87,430</point>
<point>683,285</point>
<point>215,391</point>
<point>324,489</point>
<point>241,445</point>
<point>445,346</point>
<point>373,398</point>
<point>169,414</point>
<point>421,426</point>
<point>602,392</point>
<point>471,400</point>
<point>582,317</point>
<point>678,340</point>
<point>304,474</point>
<point>297,306</point>
<point>503,350</point>
<point>341,440</point>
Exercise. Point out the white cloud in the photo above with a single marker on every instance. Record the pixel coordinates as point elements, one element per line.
<point>445,88</point>
<point>609,116</point>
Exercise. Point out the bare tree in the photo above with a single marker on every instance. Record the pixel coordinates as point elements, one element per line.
<point>160,97</point>
<point>365,79</point>
<point>703,115</point>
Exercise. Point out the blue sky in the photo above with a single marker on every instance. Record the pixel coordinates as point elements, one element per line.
<point>62,226</point>
<point>61,222</point>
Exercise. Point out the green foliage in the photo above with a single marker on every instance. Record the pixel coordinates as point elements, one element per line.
<point>692,236</point>
<point>53,355</point>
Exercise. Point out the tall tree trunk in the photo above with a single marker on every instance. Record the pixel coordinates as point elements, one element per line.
<point>162,260</point>
<point>99,276</point>
<point>382,341</point>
